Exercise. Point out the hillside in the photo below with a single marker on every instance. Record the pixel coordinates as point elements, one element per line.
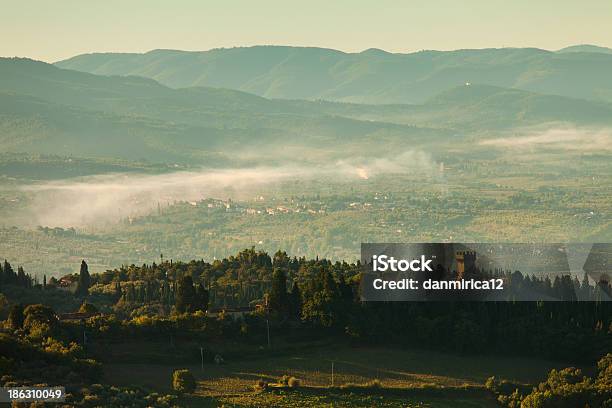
<point>48,110</point>
<point>372,76</point>
<point>488,106</point>
<point>33,125</point>
<point>586,48</point>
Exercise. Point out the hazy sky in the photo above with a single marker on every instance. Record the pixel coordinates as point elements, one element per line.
<point>53,30</point>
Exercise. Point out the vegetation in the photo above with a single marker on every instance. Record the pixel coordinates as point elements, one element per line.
<point>373,75</point>
<point>563,388</point>
<point>183,381</point>
<point>126,205</point>
<point>155,313</point>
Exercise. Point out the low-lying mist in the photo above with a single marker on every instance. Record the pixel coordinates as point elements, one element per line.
<point>108,198</point>
<point>567,139</point>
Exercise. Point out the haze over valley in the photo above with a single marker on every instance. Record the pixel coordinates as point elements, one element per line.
<point>119,157</point>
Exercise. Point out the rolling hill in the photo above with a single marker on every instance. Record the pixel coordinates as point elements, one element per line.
<point>372,76</point>
<point>586,48</point>
<point>48,110</point>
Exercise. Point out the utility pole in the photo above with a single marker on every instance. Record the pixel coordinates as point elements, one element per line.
<point>268,330</point>
<point>267,306</point>
<point>332,373</point>
<point>202,357</point>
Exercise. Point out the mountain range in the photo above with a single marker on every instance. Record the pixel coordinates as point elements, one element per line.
<point>372,76</point>
<point>45,109</point>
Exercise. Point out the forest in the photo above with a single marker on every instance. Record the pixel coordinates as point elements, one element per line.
<point>255,303</point>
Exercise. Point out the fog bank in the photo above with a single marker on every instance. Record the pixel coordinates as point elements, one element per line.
<point>110,197</point>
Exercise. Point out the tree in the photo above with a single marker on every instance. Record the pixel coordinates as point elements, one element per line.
<point>278,293</point>
<point>321,299</point>
<point>295,302</point>
<point>39,314</point>
<point>280,260</point>
<point>88,308</point>
<point>15,317</point>
<point>183,381</point>
<point>203,298</point>
<point>84,280</point>
<point>40,321</point>
<point>604,368</point>
<point>9,276</point>
<point>3,303</point>
<point>186,297</point>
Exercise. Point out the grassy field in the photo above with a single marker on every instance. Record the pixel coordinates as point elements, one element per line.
<point>408,378</point>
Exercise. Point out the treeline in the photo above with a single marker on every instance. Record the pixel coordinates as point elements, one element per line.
<point>8,276</point>
<point>320,297</point>
<point>562,287</point>
<point>236,281</point>
<point>323,296</point>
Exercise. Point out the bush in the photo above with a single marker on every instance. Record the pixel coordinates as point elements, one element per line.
<point>566,388</point>
<point>604,367</point>
<point>294,382</point>
<point>88,308</point>
<point>183,381</point>
<point>16,317</point>
<point>261,385</point>
<point>504,387</point>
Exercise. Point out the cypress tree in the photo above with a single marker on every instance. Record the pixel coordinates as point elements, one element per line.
<point>84,280</point>
<point>295,301</point>
<point>203,298</point>
<point>278,293</point>
<point>185,295</point>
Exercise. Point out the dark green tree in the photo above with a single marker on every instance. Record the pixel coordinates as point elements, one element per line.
<point>16,317</point>
<point>278,293</point>
<point>295,302</point>
<point>84,280</point>
<point>203,298</point>
<point>37,315</point>
<point>186,297</point>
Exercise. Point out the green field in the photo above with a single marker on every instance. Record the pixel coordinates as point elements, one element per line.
<point>413,378</point>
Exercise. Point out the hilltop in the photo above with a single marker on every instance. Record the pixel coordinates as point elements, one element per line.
<point>586,48</point>
<point>372,76</point>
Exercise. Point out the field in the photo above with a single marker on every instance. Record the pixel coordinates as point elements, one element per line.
<point>413,378</point>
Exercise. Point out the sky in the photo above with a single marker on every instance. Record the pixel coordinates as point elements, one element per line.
<point>55,30</point>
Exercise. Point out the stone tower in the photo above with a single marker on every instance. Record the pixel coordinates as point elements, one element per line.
<point>466,263</point>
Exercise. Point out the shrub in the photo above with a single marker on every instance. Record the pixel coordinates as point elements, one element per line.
<point>51,345</point>
<point>88,308</point>
<point>503,387</point>
<point>261,385</point>
<point>183,381</point>
<point>16,317</point>
<point>373,384</point>
<point>604,367</point>
<point>566,388</point>
<point>294,382</point>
